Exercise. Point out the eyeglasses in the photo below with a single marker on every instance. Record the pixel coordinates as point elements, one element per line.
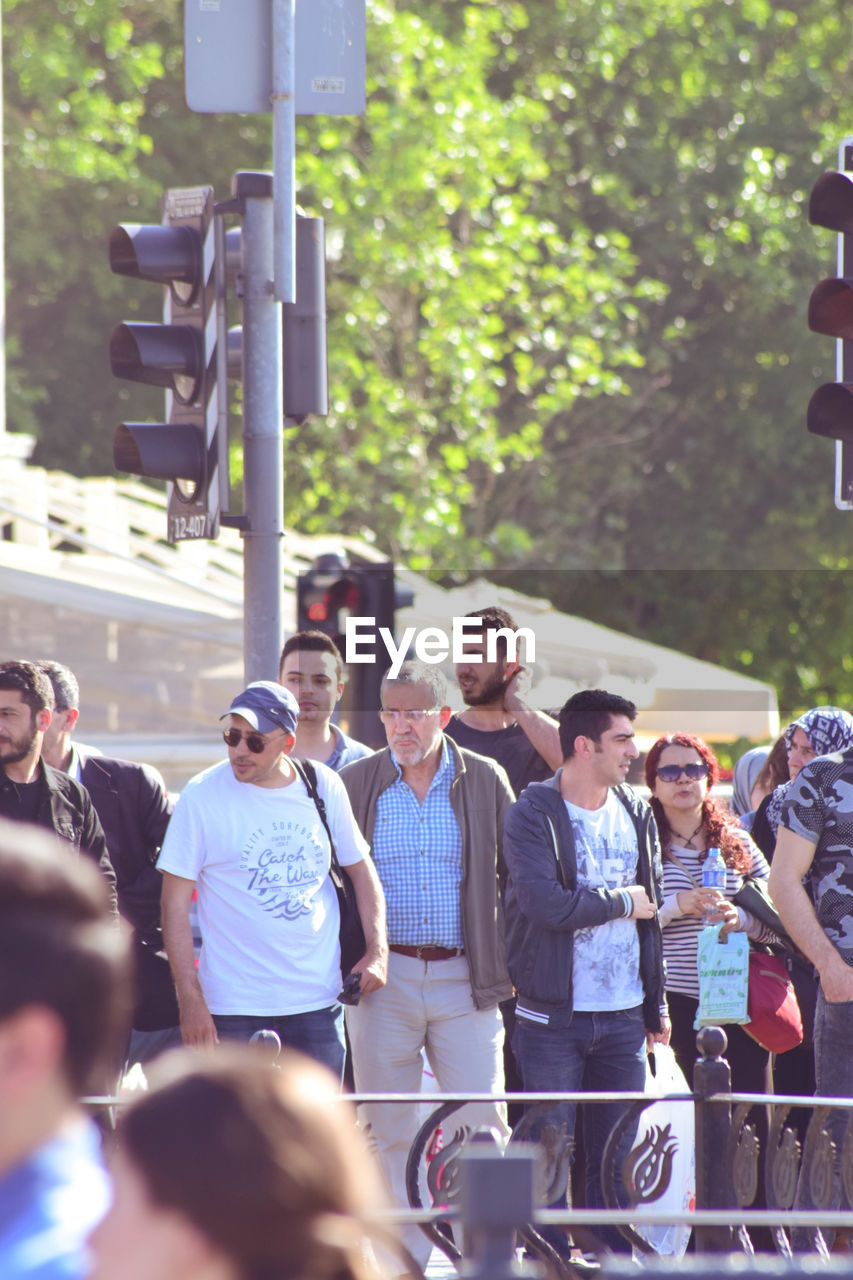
<point>411,717</point>
<point>256,742</point>
<point>672,772</point>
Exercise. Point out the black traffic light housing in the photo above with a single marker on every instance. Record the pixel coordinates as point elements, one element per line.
<point>830,410</point>
<point>334,589</point>
<point>183,354</point>
<point>303,328</point>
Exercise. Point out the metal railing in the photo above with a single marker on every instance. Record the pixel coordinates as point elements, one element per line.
<point>486,1203</point>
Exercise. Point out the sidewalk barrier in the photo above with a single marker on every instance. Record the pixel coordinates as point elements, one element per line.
<point>486,1204</point>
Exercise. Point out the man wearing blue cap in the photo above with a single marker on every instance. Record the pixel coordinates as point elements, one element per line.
<point>248,835</point>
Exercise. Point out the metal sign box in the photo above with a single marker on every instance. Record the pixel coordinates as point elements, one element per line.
<point>228,56</point>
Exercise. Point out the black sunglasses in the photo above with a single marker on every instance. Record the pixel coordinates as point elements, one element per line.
<point>672,772</point>
<point>256,742</point>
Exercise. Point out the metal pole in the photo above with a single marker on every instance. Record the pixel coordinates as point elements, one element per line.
<point>711,1075</point>
<point>2,258</point>
<point>263,434</point>
<point>284,145</point>
<point>497,1200</point>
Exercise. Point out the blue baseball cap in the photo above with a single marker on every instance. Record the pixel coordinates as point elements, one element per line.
<point>267,706</point>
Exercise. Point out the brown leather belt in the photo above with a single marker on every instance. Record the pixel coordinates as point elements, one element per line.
<point>427,953</point>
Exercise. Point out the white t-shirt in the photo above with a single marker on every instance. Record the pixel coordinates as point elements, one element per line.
<point>606,965</point>
<point>268,911</point>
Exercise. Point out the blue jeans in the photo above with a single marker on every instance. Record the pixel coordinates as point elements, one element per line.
<point>319,1033</point>
<point>596,1053</point>
<point>833,1060</point>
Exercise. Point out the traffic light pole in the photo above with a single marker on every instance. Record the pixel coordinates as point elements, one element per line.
<point>844,372</point>
<point>263,435</point>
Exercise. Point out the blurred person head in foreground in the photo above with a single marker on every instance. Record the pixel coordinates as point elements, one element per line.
<point>235,1169</point>
<point>65,1003</point>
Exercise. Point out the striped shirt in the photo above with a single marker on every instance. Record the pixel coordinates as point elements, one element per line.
<point>417,849</point>
<point>680,932</point>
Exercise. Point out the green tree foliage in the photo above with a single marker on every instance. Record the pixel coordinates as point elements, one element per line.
<point>788,628</point>
<point>569,266</point>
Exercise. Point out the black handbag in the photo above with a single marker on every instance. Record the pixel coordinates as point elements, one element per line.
<point>754,897</point>
<point>353,943</point>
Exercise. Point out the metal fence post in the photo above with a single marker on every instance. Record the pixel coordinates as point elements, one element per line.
<point>497,1199</point>
<point>712,1075</point>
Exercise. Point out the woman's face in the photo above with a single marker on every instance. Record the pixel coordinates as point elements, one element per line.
<point>800,752</point>
<point>682,795</point>
<point>141,1240</point>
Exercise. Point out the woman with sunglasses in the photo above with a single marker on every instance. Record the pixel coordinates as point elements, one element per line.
<point>680,771</point>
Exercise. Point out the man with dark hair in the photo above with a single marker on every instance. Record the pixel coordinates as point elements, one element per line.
<point>131,801</point>
<point>433,814</point>
<point>500,724</point>
<point>589,714</point>
<point>498,721</point>
<point>258,844</point>
<point>583,939</point>
<point>30,790</point>
<point>64,1013</point>
<point>312,669</point>
<point>811,880</point>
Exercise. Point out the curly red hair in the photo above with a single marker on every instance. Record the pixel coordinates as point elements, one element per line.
<point>721,829</point>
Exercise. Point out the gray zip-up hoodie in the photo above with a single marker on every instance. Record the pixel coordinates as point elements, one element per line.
<point>544,905</point>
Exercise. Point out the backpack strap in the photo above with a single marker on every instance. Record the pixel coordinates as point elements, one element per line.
<point>306,771</point>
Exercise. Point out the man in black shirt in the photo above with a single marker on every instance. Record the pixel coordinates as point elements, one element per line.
<point>30,791</point>
<point>131,802</point>
<point>498,722</point>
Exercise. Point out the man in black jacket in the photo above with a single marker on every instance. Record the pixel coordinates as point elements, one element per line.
<point>134,809</point>
<point>583,941</point>
<point>30,790</point>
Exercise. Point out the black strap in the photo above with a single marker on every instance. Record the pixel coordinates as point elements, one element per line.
<point>308,774</point>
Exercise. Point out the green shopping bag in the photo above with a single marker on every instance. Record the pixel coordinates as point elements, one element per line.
<point>723,965</point>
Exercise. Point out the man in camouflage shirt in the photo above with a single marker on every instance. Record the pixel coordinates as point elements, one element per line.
<point>811,882</point>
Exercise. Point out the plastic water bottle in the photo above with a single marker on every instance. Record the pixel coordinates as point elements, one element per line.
<point>713,876</point>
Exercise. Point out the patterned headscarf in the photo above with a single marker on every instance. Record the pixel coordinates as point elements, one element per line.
<point>828,729</point>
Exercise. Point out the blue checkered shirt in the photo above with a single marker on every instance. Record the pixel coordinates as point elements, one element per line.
<point>417,849</point>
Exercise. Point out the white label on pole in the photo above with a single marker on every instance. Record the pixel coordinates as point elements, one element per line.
<point>209,6</point>
<point>328,84</point>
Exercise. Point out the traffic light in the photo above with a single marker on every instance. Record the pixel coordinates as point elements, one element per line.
<point>303,322</point>
<point>186,354</point>
<point>830,410</point>
<point>303,326</point>
<point>326,595</point>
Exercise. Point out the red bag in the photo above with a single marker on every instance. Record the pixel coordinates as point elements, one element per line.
<point>775,1020</point>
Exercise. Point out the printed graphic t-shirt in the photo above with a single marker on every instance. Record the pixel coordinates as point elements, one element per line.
<point>606,965</point>
<point>267,909</point>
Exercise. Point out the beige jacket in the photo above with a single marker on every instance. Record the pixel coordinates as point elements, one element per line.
<point>480,795</point>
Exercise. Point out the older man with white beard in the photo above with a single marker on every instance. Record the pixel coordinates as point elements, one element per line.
<point>433,814</point>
